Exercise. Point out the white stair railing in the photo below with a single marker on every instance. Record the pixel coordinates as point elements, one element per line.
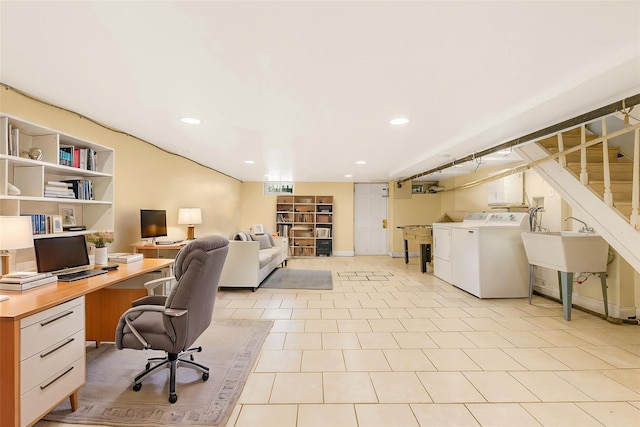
<point>635,187</point>
<point>608,196</point>
<point>584,175</point>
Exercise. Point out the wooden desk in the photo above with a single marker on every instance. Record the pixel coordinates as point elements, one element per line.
<point>156,251</point>
<point>21,305</point>
<point>422,234</point>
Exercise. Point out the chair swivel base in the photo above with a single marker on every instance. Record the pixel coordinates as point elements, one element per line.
<point>172,360</point>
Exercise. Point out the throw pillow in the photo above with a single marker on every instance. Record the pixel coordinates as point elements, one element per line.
<point>265,243</point>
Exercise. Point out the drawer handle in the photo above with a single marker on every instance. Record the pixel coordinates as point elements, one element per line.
<point>53,350</point>
<point>45,323</point>
<point>69,369</point>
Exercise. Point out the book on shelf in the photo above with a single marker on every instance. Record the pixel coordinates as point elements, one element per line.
<point>125,258</point>
<point>14,145</point>
<point>82,188</point>
<point>76,157</point>
<point>23,277</point>
<point>7,286</point>
<point>66,155</point>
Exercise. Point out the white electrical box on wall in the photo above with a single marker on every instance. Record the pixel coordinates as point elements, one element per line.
<point>507,191</point>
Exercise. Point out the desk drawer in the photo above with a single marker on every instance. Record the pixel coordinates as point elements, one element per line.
<point>43,330</point>
<point>54,389</point>
<point>39,367</point>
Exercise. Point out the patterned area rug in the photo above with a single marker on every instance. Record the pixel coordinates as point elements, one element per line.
<point>230,349</point>
<point>290,278</point>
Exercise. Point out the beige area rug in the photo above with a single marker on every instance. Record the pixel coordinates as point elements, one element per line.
<point>230,350</point>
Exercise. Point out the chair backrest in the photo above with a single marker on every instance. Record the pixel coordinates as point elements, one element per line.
<point>197,271</point>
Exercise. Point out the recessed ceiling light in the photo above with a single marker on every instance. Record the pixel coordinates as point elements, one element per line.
<point>399,121</point>
<point>190,120</point>
<point>249,162</point>
<point>361,162</point>
<point>348,176</point>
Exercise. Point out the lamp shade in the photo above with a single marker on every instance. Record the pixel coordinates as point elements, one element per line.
<point>189,216</point>
<point>15,232</point>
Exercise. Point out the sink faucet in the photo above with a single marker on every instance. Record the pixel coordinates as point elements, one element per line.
<point>533,218</point>
<point>585,228</point>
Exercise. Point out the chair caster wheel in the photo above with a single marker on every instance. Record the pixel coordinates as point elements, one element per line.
<point>137,386</point>
<point>173,398</point>
<point>205,376</point>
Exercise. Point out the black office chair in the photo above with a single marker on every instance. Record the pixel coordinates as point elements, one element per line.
<point>172,323</point>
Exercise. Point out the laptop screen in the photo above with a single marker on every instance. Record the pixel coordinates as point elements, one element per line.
<point>56,254</point>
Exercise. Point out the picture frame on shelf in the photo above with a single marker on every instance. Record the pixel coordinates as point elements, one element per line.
<point>68,214</point>
<point>56,223</point>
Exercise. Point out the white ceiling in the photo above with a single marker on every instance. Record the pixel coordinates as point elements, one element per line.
<point>306,89</point>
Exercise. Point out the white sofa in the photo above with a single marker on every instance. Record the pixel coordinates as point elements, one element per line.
<point>249,262</point>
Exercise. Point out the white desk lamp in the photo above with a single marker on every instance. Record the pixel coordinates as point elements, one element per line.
<point>15,233</point>
<point>190,217</point>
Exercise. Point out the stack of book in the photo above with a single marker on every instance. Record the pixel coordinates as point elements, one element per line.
<point>59,189</point>
<point>124,258</point>
<point>21,281</point>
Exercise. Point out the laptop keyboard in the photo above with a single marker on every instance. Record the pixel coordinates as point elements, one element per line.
<point>70,277</point>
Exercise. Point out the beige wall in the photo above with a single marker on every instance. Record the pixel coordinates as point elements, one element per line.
<point>409,209</point>
<point>145,176</point>
<point>258,208</point>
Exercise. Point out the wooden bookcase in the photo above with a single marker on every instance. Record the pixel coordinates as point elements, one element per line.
<point>32,156</point>
<point>307,221</point>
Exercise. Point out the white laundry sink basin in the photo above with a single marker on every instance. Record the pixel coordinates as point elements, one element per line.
<point>566,251</point>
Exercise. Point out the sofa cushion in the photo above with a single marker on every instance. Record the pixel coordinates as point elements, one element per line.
<point>266,256</point>
<point>264,239</point>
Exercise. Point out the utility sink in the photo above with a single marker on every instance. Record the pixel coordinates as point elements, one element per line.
<point>566,251</point>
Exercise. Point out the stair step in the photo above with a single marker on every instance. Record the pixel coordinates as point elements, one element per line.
<point>623,207</point>
<point>620,190</point>
<point>620,171</point>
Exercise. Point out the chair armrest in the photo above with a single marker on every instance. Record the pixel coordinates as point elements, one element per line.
<point>175,312</point>
<point>152,284</point>
<point>141,309</point>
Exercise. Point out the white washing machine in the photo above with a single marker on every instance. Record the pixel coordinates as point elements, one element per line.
<point>442,249</point>
<point>487,257</point>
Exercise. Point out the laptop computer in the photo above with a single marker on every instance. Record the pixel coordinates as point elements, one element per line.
<point>65,256</point>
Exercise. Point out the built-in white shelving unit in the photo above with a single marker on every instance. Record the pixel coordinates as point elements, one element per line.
<point>32,157</point>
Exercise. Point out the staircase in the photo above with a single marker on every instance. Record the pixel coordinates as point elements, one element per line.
<point>575,167</point>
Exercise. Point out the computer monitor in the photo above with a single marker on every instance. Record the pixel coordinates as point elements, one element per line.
<point>153,223</point>
<point>58,254</point>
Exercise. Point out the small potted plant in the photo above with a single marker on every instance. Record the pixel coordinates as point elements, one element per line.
<point>100,240</point>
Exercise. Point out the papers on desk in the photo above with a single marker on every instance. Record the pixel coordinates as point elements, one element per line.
<point>125,258</point>
<point>3,297</point>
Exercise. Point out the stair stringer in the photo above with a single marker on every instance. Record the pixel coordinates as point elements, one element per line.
<point>606,221</point>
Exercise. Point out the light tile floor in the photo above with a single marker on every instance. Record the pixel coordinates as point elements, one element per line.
<point>407,349</point>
